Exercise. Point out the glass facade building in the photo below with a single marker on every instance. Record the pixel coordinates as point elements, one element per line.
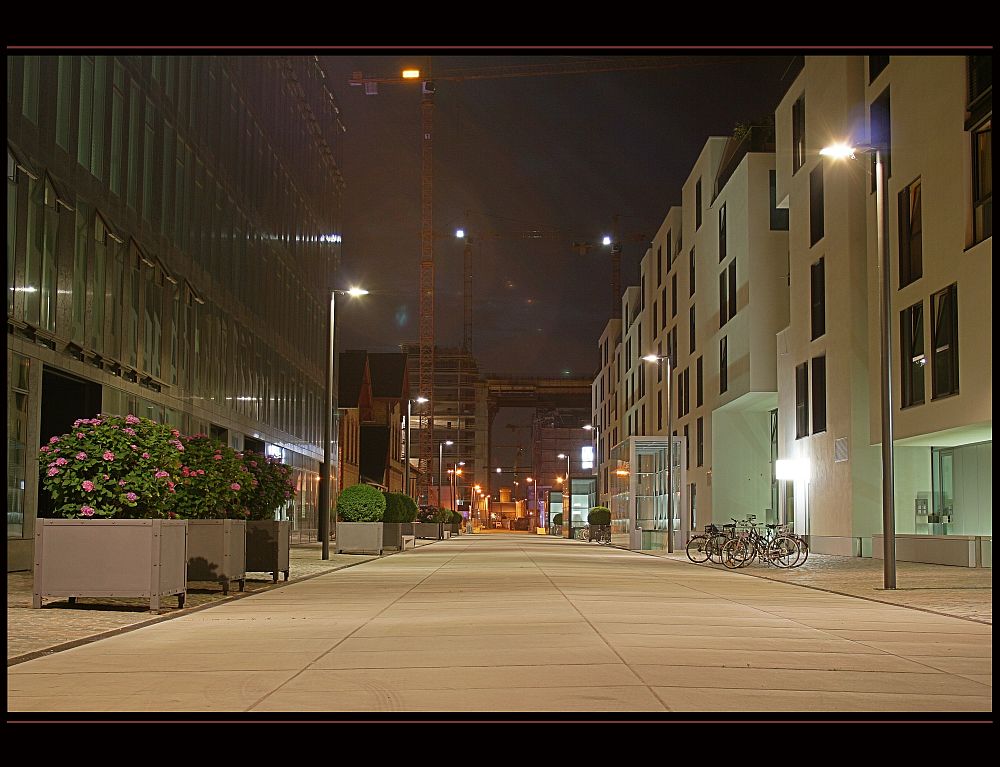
<point>172,224</point>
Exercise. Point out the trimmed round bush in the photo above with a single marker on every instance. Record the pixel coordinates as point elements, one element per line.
<point>443,515</point>
<point>557,519</point>
<point>599,515</point>
<point>361,503</point>
<point>397,509</point>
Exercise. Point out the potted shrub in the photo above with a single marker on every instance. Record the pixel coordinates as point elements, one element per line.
<point>360,510</point>
<point>398,519</point>
<point>428,523</point>
<point>557,521</point>
<point>599,520</point>
<point>113,533</point>
<point>212,495</point>
<point>268,538</point>
<point>456,523</point>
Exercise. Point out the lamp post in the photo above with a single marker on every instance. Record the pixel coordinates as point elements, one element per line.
<point>670,443</point>
<point>567,497</point>
<point>841,151</point>
<point>419,399</point>
<point>440,461</point>
<point>325,478</point>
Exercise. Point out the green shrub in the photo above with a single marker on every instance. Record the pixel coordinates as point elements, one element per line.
<point>427,514</point>
<point>409,508</point>
<point>443,515</point>
<point>557,519</point>
<point>215,483</point>
<point>599,515</point>
<point>272,486</point>
<point>361,503</point>
<point>456,518</point>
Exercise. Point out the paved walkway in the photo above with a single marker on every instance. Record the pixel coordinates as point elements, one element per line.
<point>526,624</point>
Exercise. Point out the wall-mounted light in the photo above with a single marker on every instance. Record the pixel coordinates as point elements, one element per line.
<point>794,469</point>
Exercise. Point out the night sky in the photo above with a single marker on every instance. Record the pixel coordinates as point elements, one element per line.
<point>560,153</point>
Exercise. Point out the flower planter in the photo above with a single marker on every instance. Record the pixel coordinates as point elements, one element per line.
<point>217,551</point>
<point>110,558</point>
<point>393,532</point>
<point>430,530</point>
<point>360,537</point>
<point>455,527</point>
<point>268,547</point>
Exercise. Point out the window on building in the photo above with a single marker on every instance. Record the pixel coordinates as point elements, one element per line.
<point>694,507</point>
<point>816,204</point>
<point>910,238</point>
<point>732,288</point>
<point>819,394</point>
<point>700,429</point>
<point>687,446</point>
<point>673,295</point>
<point>913,359</point>
<point>722,232</point>
<point>692,336</point>
<point>100,116</point>
<point>687,390</point>
<point>697,205</point>
<point>659,266</point>
<point>798,133</point>
<point>663,303</point>
<point>670,250</point>
<point>778,216</point>
<point>875,66</point>
<point>723,299</point>
<point>84,146</point>
<point>944,342</point>
<point>723,365</point>
<point>659,410</point>
<point>980,78</point>
<point>673,347</point>
<point>64,101</point>
<point>801,401</point>
<point>29,94</point>
<point>982,182</point>
<point>659,367</point>
<point>655,326</point>
<point>881,135</point>
<point>691,274</point>
<point>817,298</point>
<point>698,381</point>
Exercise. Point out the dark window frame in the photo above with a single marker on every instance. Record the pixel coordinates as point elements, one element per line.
<point>913,359</point>
<point>819,394</point>
<point>910,240</point>
<point>802,400</point>
<point>816,205</point>
<point>944,351</point>
<point>798,133</point>
<point>817,299</point>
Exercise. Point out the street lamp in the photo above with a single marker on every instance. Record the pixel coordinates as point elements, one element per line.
<point>325,479</point>
<point>440,460</point>
<point>841,151</point>
<point>419,399</point>
<point>670,449</point>
<point>567,497</point>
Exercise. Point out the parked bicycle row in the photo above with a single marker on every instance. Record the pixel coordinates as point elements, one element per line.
<point>744,541</point>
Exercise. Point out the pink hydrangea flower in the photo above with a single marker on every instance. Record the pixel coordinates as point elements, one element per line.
<point>45,449</point>
<point>61,461</point>
<point>121,483</point>
<point>53,440</point>
<point>175,432</point>
<point>134,447</point>
<point>108,455</point>
<point>87,511</point>
<point>145,455</point>
<point>254,464</point>
<point>217,457</point>
<point>53,471</point>
<point>87,485</point>
<point>130,432</point>
<point>81,456</point>
<point>160,474</point>
<point>77,422</point>
<point>287,494</point>
<point>131,497</point>
<point>234,486</point>
<point>106,477</point>
<point>80,435</point>
<point>131,419</point>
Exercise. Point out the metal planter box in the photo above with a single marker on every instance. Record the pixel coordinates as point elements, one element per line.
<point>217,551</point>
<point>110,558</point>
<point>393,532</point>
<point>430,530</point>
<point>455,527</point>
<point>268,547</point>
<point>360,537</point>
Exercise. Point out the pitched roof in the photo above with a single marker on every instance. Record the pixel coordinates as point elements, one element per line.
<point>350,378</point>
<point>388,374</point>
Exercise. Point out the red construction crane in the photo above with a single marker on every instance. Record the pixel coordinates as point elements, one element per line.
<point>425,451</point>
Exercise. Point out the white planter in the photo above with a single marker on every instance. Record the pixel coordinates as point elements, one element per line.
<point>359,538</point>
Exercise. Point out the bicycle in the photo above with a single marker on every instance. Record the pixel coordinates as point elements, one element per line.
<point>774,547</point>
<point>582,533</point>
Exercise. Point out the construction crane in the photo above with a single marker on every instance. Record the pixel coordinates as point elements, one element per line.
<point>370,84</point>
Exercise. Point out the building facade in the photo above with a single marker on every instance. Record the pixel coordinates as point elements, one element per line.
<point>171,225</point>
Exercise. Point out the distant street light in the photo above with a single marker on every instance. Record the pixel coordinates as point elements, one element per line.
<point>658,358</point>
<point>326,477</point>
<point>841,151</point>
<point>440,460</point>
<point>419,399</point>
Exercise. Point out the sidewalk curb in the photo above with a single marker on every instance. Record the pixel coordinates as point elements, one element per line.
<point>817,588</point>
<point>18,659</point>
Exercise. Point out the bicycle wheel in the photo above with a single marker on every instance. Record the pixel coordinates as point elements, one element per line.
<point>783,552</point>
<point>735,553</point>
<point>803,552</point>
<point>715,544</point>
<point>698,549</point>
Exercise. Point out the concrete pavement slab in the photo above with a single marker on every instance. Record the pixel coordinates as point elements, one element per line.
<point>792,701</point>
<point>821,661</point>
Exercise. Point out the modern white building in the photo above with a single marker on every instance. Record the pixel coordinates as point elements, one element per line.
<point>931,118</point>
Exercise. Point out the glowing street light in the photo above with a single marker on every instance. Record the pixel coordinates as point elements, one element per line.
<point>658,358</point>
<point>841,151</point>
<point>440,460</point>
<point>419,399</point>
<point>326,478</point>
